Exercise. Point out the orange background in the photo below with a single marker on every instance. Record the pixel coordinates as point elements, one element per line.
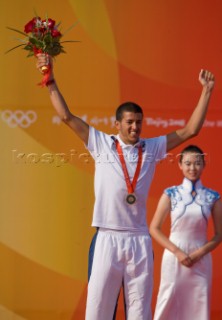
<point>147,51</point>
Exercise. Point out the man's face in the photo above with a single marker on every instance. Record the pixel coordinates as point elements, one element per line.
<point>130,127</point>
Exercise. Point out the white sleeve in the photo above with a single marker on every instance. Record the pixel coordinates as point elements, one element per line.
<point>161,149</point>
<point>156,148</point>
<point>98,142</point>
<point>92,139</point>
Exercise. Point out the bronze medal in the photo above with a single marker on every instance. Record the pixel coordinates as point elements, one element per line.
<point>131,198</point>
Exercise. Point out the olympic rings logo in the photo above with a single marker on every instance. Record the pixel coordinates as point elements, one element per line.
<point>19,118</point>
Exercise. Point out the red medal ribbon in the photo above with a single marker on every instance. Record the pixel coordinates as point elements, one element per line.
<point>130,186</point>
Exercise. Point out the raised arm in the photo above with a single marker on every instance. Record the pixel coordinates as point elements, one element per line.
<point>80,127</point>
<point>163,209</point>
<point>197,118</point>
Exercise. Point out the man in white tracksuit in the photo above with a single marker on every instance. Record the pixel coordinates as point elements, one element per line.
<point>124,169</point>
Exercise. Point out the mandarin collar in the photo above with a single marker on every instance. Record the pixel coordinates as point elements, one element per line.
<point>191,186</point>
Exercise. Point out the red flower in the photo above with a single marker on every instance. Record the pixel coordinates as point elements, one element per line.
<point>49,23</point>
<point>55,33</point>
<point>31,25</point>
<point>36,51</point>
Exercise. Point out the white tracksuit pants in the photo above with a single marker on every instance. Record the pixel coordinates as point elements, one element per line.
<point>121,257</point>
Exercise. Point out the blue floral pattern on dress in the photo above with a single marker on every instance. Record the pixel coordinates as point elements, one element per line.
<point>181,196</point>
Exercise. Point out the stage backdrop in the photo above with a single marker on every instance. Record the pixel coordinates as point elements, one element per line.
<point>147,51</point>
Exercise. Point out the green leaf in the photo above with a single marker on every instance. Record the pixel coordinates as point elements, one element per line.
<point>58,24</point>
<point>24,34</point>
<point>33,40</point>
<point>35,13</point>
<point>70,41</point>
<point>72,26</point>
<point>22,40</point>
<point>28,47</point>
<point>48,38</point>
<point>30,54</point>
<point>15,47</point>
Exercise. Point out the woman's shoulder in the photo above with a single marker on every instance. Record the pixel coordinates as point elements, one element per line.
<point>170,191</point>
<point>212,193</point>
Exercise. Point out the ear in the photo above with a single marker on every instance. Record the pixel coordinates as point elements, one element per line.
<point>180,165</point>
<point>117,124</point>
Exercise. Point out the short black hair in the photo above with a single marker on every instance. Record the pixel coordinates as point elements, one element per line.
<point>192,149</point>
<point>127,107</point>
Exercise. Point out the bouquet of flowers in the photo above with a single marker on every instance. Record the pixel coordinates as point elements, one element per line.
<point>42,36</point>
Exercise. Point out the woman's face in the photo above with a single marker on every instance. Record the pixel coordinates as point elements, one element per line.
<point>192,165</point>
